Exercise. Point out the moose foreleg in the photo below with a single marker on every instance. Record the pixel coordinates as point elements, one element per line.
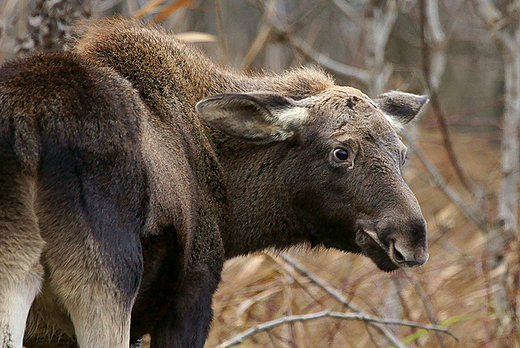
<point>16,298</point>
<point>20,249</point>
<point>189,329</point>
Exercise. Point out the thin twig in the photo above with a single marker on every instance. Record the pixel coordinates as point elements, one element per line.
<point>258,43</point>
<point>328,63</point>
<point>221,32</point>
<point>262,37</point>
<point>271,337</point>
<point>436,105</point>
<point>328,314</point>
<point>170,9</point>
<point>440,181</point>
<point>150,6</point>
<point>348,10</point>
<point>338,296</point>
<point>301,46</point>
<point>311,12</point>
<point>427,305</point>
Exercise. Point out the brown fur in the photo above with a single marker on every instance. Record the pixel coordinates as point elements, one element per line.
<point>139,199</point>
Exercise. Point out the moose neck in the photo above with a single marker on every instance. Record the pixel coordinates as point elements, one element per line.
<point>261,213</point>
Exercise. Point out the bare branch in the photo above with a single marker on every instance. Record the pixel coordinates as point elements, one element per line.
<point>488,12</point>
<point>508,194</point>
<point>301,46</point>
<point>436,105</point>
<point>168,10</point>
<point>348,10</point>
<point>381,26</point>
<point>510,162</point>
<point>434,23</point>
<point>427,305</point>
<point>328,63</point>
<point>452,194</point>
<point>327,314</point>
<point>438,57</point>
<point>261,38</point>
<point>221,32</point>
<point>149,7</point>
<point>384,22</point>
<point>338,296</point>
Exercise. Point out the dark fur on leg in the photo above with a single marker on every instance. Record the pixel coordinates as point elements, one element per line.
<point>186,330</point>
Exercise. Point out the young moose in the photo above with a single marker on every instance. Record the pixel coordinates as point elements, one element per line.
<point>133,166</point>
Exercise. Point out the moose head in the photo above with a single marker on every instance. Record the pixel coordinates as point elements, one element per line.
<point>337,158</point>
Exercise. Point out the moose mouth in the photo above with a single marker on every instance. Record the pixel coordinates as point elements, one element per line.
<point>386,257</point>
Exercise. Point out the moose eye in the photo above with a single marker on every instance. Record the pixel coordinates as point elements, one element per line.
<point>341,154</point>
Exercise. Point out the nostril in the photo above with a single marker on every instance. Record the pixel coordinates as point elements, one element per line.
<point>401,260</point>
<point>396,255</point>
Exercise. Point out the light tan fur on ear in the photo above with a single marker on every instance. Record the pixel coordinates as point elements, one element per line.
<point>396,124</point>
<point>290,116</point>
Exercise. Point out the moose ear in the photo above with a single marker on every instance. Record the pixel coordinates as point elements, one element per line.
<point>257,117</point>
<point>400,107</point>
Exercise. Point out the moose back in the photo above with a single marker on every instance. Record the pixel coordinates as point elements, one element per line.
<point>132,167</point>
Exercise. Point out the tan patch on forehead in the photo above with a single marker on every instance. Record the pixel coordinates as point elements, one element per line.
<point>353,113</point>
<point>348,110</point>
<point>340,95</point>
<point>345,102</point>
<point>352,91</point>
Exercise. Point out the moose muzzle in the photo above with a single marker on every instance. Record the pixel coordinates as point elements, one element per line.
<point>394,242</point>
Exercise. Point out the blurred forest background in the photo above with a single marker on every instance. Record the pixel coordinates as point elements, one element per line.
<point>463,164</point>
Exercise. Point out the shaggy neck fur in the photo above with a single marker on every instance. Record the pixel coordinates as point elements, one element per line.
<point>261,212</point>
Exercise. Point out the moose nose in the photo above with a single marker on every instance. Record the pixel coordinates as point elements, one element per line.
<point>407,244</point>
<point>402,239</point>
<point>405,257</point>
